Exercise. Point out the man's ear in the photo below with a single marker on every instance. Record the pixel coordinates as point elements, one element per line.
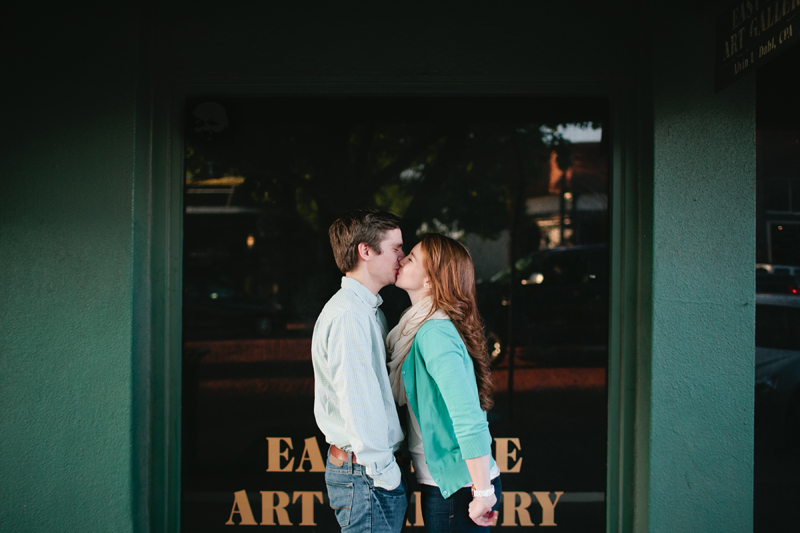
<point>364,251</point>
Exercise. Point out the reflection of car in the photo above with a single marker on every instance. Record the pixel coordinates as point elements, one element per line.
<point>777,279</point>
<point>778,368</point>
<point>779,270</point>
<point>554,303</point>
<point>215,311</point>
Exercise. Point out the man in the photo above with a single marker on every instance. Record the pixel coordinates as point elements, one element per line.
<point>353,401</point>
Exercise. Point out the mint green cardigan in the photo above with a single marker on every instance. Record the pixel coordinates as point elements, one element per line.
<point>439,379</point>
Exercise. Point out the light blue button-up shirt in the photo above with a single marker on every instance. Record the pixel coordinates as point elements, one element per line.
<point>353,401</point>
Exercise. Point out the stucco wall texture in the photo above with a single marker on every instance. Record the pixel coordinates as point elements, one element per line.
<point>66,219</point>
<point>65,270</point>
<point>701,434</point>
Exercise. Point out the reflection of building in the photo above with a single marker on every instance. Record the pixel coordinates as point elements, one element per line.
<point>91,230</point>
<point>552,218</point>
<point>778,171</point>
<point>574,208</point>
<point>778,231</point>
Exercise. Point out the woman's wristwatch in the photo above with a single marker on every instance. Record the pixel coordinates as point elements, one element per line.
<point>482,493</point>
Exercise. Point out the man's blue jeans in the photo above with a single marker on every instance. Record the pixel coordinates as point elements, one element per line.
<point>359,505</point>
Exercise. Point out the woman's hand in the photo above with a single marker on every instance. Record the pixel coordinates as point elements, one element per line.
<point>480,510</point>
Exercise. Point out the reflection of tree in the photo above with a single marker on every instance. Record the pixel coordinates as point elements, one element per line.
<point>454,173</point>
<point>301,176</point>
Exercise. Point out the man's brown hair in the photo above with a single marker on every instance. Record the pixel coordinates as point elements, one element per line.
<point>351,229</point>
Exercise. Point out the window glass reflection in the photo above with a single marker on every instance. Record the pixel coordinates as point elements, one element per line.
<point>777,339</point>
<point>522,182</point>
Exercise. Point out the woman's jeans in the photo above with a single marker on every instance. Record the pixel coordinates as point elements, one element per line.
<point>359,505</point>
<point>452,515</point>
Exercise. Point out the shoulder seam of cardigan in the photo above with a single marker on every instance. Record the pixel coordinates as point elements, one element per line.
<point>424,328</point>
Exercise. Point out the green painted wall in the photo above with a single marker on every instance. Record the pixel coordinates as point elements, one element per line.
<point>76,270</point>
<point>65,268</point>
<point>703,316</point>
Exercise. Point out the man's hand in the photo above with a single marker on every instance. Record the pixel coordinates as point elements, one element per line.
<point>480,510</point>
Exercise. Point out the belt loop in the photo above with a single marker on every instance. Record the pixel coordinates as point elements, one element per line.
<point>350,461</point>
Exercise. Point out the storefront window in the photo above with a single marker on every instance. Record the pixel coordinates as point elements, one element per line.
<point>777,355</point>
<point>523,182</point>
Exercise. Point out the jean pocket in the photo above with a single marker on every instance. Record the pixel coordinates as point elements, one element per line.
<point>341,498</point>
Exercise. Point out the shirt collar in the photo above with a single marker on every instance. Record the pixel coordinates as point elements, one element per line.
<point>372,300</point>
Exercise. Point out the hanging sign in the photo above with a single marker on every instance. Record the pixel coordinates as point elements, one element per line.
<point>750,33</point>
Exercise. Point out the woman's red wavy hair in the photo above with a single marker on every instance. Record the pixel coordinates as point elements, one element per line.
<point>449,266</point>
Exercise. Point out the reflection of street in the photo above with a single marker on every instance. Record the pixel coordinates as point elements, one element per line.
<point>573,371</point>
<point>264,366</point>
<point>552,379</point>
<point>240,387</point>
<point>283,367</point>
<point>253,351</point>
<point>247,386</point>
<point>777,412</point>
<point>556,404</point>
<point>280,367</point>
<point>237,393</point>
<point>776,489</point>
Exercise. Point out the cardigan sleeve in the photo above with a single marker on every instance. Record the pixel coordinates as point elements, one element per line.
<point>450,366</point>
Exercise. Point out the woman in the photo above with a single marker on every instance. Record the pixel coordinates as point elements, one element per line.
<point>440,367</point>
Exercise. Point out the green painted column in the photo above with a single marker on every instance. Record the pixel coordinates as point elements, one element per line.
<point>65,268</point>
<point>703,255</point>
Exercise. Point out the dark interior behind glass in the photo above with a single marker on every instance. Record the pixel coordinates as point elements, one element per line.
<point>523,182</point>
<point>777,342</point>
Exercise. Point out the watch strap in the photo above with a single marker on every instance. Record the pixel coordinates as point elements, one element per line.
<point>482,493</point>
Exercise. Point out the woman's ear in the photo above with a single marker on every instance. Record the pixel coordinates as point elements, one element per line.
<point>427,283</point>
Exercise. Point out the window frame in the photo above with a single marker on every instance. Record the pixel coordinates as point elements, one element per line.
<point>158,275</point>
